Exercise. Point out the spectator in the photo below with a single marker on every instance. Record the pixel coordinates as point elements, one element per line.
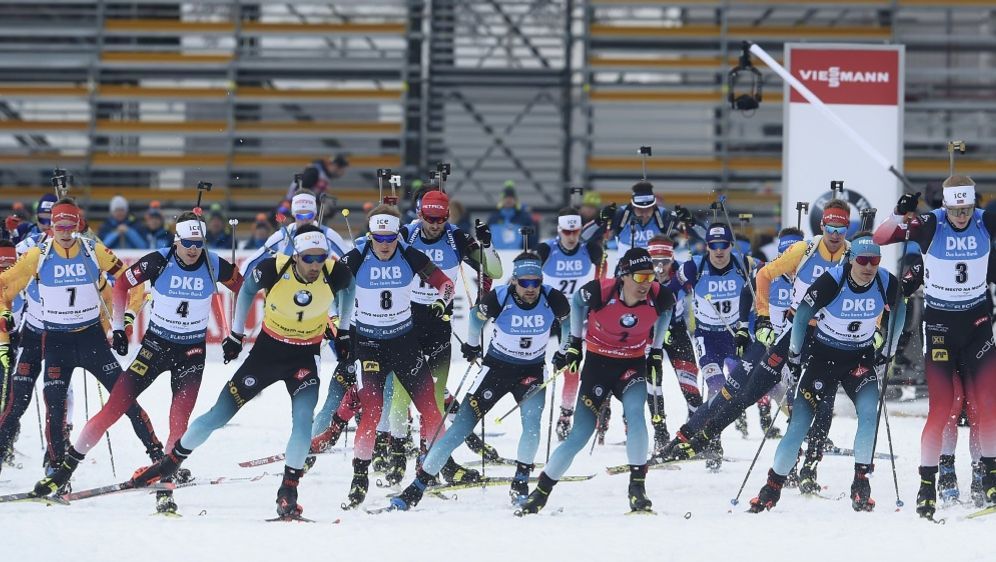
<point>590,204</point>
<point>508,219</point>
<point>154,230</point>
<point>119,230</point>
<point>318,175</point>
<point>261,231</point>
<point>218,236</point>
<point>459,217</point>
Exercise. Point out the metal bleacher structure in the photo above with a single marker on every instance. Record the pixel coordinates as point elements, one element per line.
<point>147,98</point>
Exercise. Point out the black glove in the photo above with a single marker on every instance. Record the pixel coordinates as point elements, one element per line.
<point>683,215</point>
<point>907,203</point>
<point>655,365</point>
<point>794,365</point>
<point>120,344</point>
<point>742,339</point>
<point>606,215</point>
<point>470,352</point>
<point>437,309</point>
<point>232,347</point>
<point>483,234</point>
<point>6,358</point>
<point>344,346</point>
<point>571,357</point>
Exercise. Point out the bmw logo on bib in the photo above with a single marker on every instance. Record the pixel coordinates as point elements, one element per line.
<point>628,320</point>
<point>302,298</point>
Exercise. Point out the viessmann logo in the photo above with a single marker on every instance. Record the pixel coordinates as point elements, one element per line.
<point>834,76</point>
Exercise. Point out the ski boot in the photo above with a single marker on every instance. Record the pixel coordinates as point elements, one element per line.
<point>638,500</point>
<point>360,484</point>
<point>453,473</point>
<point>978,494</point>
<point>287,506</point>
<point>661,435</point>
<point>564,423</point>
<point>947,480</point>
<point>165,468</point>
<point>741,424</point>
<point>808,483</point>
<point>520,483</point>
<point>382,452</point>
<point>395,472</point>
<point>792,480</point>
<point>861,489</point>
<point>989,478</point>
<point>165,505</point>
<point>770,493</point>
<point>410,496</point>
<point>770,431</point>
<point>309,462</point>
<point>476,444</point>
<point>683,447</point>
<point>56,481</point>
<point>926,497</point>
<point>537,499</point>
<point>328,438</point>
<point>714,454</point>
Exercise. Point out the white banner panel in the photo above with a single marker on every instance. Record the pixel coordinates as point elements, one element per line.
<point>863,85</point>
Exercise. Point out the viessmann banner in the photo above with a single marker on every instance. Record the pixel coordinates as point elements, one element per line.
<point>863,85</point>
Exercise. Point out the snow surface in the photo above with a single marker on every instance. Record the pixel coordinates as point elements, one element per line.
<point>225,522</point>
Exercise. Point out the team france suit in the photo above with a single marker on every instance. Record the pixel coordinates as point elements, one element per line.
<point>70,304</point>
<point>514,363</point>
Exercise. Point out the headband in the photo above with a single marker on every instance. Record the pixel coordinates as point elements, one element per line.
<point>303,206</point>
<point>644,200</point>
<point>864,246</point>
<point>66,212</point>
<point>521,268</point>
<point>959,196</point>
<point>835,215</point>
<point>569,222</point>
<point>190,229</point>
<point>661,250</point>
<point>384,222</point>
<point>784,242</point>
<point>311,241</point>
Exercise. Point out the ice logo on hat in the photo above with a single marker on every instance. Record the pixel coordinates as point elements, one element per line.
<point>382,224</point>
<point>195,230</point>
<point>717,231</point>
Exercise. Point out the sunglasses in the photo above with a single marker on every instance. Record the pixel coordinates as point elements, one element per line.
<point>827,229</point>
<point>304,216</point>
<point>643,277</point>
<point>866,260</point>
<point>434,220</point>
<point>529,283</point>
<point>960,211</point>
<point>191,243</point>
<point>719,245</point>
<point>313,258</point>
<point>384,238</point>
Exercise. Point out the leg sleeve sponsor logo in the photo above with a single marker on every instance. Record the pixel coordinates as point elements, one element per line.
<point>313,381</point>
<point>234,392</point>
<point>195,351</point>
<point>145,353</point>
<point>371,367</point>
<point>939,355</point>
<point>301,374</point>
<point>53,372</point>
<point>138,368</point>
<point>937,340</point>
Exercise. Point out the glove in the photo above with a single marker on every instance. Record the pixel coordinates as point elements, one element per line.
<point>571,358</point>
<point>120,344</point>
<point>470,352</point>
<point>344,346</point>
<point>683,215</point>
<point>907,203</point>
<point>794,365</point>
<point>232,347</point>
<point>655,365</point>
<point>7,322</point>
<point>607,213</point>
<point>437,309</point>
<point>483,234</point>
<point>667,337</point>
<point>764,332</point>
<point>129,320</point>
<point>878,340</point>
<point>742,339</point>
<point>6,358</point>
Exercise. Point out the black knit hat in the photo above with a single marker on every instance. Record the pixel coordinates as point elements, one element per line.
<point>635,259</point>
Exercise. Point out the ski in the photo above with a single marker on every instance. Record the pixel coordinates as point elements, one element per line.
<point>845,452</point>
<point>378,510</point>
<point>125,486</point>
<point>661,465</point>
<point>279,457</point>
<point>641,512</point>
<point>498,481</point>
<point>519,512</point>
<point>500,461</point>
<point>45,500</point>
<point>291,519</point>
<point>223,480</point>
<point>982,513</point>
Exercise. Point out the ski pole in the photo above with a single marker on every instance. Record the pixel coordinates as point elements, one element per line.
<point>549,424</point>
<point>892,456</point>
<point>41,430</point>
<point>726,324</point>
<point>107,434</point>
<point>757,454</point>
<point>536,390</point>
<point>598,422</point>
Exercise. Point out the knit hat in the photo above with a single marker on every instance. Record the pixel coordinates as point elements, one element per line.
<point>118,202</point>
<point>635,259</point>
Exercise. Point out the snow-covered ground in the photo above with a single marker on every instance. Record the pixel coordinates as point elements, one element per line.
<point>225,522</point>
